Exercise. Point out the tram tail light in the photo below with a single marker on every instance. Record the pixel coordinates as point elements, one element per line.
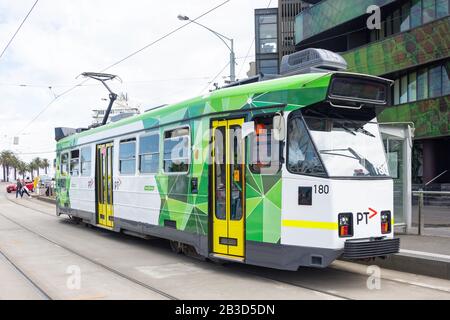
<point>386,222</point>
<point>345,225</point>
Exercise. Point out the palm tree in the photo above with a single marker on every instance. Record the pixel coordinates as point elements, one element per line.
<point>22,168</point>
<point>6,159</point>
<point>45,164</point>
<point>37,164</point>
<point>30,169</point>
<point>14,165</point>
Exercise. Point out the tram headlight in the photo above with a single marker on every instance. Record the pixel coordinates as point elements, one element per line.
<point>385,222</point>
<point>345,225</point>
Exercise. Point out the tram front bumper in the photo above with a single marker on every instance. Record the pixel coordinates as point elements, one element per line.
<point>370,248</point>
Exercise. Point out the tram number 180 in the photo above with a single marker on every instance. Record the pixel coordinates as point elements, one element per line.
<point>321,189</point>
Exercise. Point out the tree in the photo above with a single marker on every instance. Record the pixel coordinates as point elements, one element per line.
<point>36,164</point>
<point>22,168</point>
<point>14,164</point>
<point>6,160</point>
<point>45,164</point>
<point>30,169</point>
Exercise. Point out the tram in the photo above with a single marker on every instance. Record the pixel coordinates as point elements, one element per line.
<point>281,173</point>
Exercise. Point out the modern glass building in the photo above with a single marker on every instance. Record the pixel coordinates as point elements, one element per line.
<point>412,47</point>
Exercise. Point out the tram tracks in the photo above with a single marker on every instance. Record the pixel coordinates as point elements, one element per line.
<point>139,282</point>
<point>23,274</point>
<point>83,256</point>
<point>256,274</point>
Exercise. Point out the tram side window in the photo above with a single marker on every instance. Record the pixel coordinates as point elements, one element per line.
<point>149,153</point>
<point>127,156</point>
<point>265,151</point>
<point>86,161</point>
<point>302,156</point>
<point>64,167</point>
<point>176,150</point>
<point>74,163</point>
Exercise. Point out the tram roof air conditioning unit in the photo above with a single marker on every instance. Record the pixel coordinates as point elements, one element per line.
<point>310,61</point>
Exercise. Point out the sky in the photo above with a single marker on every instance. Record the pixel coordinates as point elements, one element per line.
<point>63,38</point>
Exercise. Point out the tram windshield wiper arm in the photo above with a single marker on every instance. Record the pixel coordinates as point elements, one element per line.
<point>362,161</point>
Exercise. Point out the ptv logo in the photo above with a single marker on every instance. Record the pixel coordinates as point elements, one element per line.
<point>364,217</point>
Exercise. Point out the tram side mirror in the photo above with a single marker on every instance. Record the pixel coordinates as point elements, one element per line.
<point>248,128</point>
<point>279,128</point>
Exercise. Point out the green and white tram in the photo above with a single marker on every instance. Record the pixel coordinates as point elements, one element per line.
<point>281,173</point>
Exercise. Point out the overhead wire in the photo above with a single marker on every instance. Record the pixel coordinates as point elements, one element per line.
<point>18,29</point>
<point>120,61</point>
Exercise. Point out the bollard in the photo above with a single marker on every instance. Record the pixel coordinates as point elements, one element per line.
<point>421,220</point>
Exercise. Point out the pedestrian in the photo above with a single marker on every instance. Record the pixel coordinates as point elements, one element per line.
<point>18,188</point>
<point>25,190</point>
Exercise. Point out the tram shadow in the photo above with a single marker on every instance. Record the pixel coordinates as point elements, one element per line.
<point>329,279</point>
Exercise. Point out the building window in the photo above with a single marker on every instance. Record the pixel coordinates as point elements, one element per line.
<point>442,8</point>
<point>404,89</point>
<point>75,163</point>
<point>149,153</point>
<point>267,34</point>
<point>127,156</point>
<point>412,86</point>
<point>397,92</point>
<point>86,161</point>
<point>435,81</point>
<point>428,10</point>
<point>446,79</point>
<point>422,84</point>
<point>397,21</point>
<point>406,17</point>
<point>64,167</point>
<point>265,152</point>
<point>176,150</point>
<point>426,82</point>
<point>416,13</point>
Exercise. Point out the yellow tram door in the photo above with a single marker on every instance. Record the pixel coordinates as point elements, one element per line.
<point>228,188</point>
<point>104,185</point>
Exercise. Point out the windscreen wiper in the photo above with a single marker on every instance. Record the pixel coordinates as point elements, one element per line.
<point>364,162</point>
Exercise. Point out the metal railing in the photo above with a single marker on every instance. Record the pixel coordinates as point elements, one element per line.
<point>421,205</point>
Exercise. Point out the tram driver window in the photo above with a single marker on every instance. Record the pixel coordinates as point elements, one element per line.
<point>265,150</point>
<point>302,155</point>
<point>74,163</point>
<point>127,157</point>
<point>176,150</point>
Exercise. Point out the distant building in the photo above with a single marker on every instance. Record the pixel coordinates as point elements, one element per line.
<point>121,109</point>
<point>275,34</point>
<point>266,41</point>
<point>287,11</point>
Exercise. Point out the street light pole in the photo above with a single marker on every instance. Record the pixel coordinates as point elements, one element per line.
<point>232,63</point>
<point>222,38</point>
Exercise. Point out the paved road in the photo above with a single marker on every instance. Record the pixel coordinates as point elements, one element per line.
<point>41,256</point>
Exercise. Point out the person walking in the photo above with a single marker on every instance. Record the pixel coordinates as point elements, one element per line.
<point>25,190</point>
<point>18,188</point>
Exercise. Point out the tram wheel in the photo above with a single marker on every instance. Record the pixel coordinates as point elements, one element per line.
<point>176,247</point>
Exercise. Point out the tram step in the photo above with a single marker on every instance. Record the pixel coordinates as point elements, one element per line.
<point>225,257</point>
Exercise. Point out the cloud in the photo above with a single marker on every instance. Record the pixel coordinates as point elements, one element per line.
<point>64,38</point>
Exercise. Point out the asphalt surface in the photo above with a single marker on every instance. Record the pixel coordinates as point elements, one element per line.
<point>47,257</point>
